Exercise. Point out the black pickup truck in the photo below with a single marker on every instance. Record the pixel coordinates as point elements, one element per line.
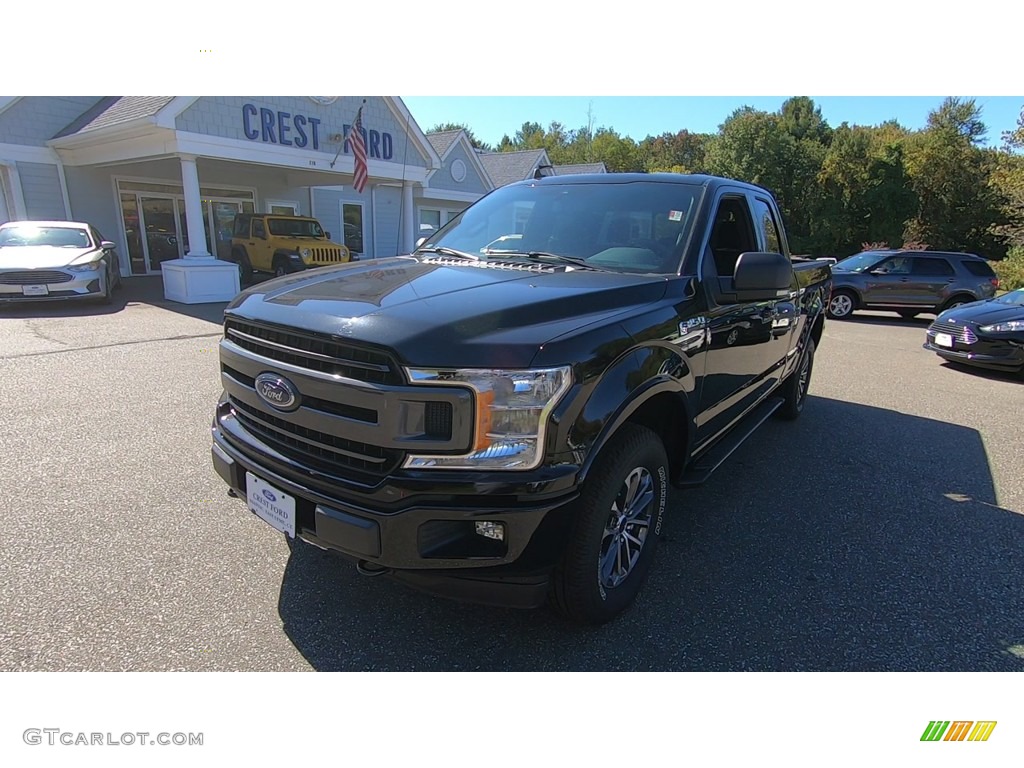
<point>498,416</point>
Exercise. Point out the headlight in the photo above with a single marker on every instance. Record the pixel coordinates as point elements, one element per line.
<point>512,409</point>
<point>1010,326</point>
<point>92,266</point>
<point>305,254</point>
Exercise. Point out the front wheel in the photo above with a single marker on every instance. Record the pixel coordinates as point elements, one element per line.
<point>617,525</point>
<point>241,258</point>
<point>106,297</point>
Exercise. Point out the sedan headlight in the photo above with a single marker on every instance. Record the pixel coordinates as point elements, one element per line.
<point>1011,326</point>
<point>512,409</point>
<point>92,266</point>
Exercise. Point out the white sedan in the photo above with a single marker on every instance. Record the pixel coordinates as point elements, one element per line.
<point>55,260</point>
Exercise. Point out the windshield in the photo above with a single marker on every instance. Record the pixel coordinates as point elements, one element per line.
<point>1013,297</point>
<point>61,237</point>
<point>294,228</point>
<point>637,226</point>
<point>860,261</point>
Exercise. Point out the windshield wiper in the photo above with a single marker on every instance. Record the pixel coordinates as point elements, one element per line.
<point>445,251</point>
<point>543,256</point>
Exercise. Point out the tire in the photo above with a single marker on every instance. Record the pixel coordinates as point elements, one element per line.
<point>107,297</point>
<point>908,314</point>
<point>624,494</point>
<point>281,266</point>
<point>955,301</point>
<point>794,389</point>
<point>841,305</point>
<point>241,258</point>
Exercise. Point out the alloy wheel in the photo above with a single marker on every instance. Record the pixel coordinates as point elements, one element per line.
<point>627,528</point>
<point>841,305</point>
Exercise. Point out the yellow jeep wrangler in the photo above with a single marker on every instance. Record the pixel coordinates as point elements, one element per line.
<point>270,242</point>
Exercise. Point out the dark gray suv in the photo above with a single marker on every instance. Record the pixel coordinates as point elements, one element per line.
<point>909,282</point>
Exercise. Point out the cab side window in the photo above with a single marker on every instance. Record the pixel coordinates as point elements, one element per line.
<point>767,229</point>
<point>732,234</point>
<point>258,229</point>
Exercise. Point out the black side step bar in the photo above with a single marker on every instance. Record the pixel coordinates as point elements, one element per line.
<point>699,472</point>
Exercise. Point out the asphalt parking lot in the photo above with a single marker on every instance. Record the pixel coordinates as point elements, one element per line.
<point>884,530</point>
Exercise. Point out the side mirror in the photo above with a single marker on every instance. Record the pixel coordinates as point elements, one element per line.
<point>327,235</point>
<point>420,242</point>
<point>762,276</point>
<point>106,245</point>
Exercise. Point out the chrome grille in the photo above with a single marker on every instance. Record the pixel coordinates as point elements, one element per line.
<point>34,277</point>
<point>313,449</point>
<point>317,353</point>
<point>962,333</point>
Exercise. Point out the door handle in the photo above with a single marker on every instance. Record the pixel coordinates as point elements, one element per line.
<point>904,279</point>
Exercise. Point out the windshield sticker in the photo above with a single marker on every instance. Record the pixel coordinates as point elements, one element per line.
<point>675,215</point>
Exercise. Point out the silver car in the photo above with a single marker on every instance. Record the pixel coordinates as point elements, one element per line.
<point>56,260</point>
<point>909,282</point>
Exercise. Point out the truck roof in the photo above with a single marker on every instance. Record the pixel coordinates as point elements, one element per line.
<point>694,179</point>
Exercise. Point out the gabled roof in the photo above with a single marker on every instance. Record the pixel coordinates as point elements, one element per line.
<point>506,167</point>
<point>442,141</point>
<point>115,110</point>
<point>567,170</point>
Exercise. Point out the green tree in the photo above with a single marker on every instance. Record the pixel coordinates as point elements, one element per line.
<point>865,192</point>
<point>680,152</point>
<point>958,208</point>
<point>1007,181</point>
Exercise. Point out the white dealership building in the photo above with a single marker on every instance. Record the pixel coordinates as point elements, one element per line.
<point>164,176</point>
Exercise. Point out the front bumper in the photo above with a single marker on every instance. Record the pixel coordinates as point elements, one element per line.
<point>428,539</point>
<point>991,355</point>
<point>81,285</point>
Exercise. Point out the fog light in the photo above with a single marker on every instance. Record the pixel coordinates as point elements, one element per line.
<point>491,530</point>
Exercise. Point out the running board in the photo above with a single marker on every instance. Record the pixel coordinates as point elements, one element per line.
<point>698,473</point>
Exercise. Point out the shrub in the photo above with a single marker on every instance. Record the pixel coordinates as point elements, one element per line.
<point>1011,270</point>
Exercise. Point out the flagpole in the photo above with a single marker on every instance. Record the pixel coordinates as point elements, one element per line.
<point>344,138</point>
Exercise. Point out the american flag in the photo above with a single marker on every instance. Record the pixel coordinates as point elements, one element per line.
<point>355,138</point>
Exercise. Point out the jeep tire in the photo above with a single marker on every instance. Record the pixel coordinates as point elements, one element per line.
<point>241,258</point>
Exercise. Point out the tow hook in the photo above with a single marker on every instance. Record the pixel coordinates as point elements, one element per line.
<point>370,569</point>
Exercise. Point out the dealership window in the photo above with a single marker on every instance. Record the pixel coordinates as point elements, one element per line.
<point>154,227</point>
<point>283,207</point>
<point>431,219</point>
<point>352,216</point>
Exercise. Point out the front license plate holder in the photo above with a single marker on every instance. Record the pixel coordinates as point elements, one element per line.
<point>270,504</point>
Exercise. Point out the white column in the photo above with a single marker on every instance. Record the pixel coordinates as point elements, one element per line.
<point>408,219</point>
<point>193,209</point>
<point>198,278</point>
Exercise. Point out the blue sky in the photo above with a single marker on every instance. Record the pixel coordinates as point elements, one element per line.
<point>491,117</point>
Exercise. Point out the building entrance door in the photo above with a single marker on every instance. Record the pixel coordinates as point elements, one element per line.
<point>160,222</point>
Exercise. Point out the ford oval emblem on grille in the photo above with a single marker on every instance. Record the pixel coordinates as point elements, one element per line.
<point>277,392</point>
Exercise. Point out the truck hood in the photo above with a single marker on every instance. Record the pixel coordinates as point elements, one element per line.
<point>42,256</point>
<point>434,314</point>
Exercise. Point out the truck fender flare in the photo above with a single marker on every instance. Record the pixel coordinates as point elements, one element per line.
<point>637,398</point>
